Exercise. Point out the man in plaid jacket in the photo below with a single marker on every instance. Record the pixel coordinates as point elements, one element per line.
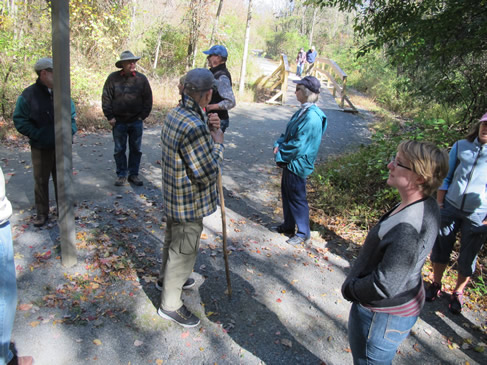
<point>192,151</point>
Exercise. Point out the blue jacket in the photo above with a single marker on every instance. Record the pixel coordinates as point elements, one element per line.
<point>466,180</point>
<point>299,145</point>
<point>311,56</point>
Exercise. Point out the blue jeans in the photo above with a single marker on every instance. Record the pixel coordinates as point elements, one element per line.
<point>8,292</point>
<point>453,221</point>
<point>375,337</point>
<point>294,204</point>
<point>133,131</point>
<point>299,69</point>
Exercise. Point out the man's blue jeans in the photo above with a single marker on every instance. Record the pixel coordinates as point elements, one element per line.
<point>8,292</point>
<point>133,132</point>
<point>374,337</point>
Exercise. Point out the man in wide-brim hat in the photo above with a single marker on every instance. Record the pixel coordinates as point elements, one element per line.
<point>126,103</point>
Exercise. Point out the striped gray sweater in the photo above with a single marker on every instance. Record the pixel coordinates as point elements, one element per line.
<point>387,271</point>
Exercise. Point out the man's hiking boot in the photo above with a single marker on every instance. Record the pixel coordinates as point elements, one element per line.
<point>182,316</point>
<point>433,292</point>
<point>187,285</point>
<point>134,179</point>
<point>40,220</point>
<point>121,180</point>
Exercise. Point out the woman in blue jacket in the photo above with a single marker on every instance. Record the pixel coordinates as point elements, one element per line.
<point>463,202</point>
<point>295,151</point>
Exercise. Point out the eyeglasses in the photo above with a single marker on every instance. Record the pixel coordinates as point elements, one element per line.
<point>396,164</point>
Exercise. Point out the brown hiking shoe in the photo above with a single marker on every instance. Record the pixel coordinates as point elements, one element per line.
<point>40,220</point>
<point>134,179</point>
<point>121,180</point>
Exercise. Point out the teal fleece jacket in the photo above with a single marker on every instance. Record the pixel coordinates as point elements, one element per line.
<point>299,144</point>
<point>34,116</point>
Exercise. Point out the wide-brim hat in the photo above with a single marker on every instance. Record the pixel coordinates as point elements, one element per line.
<point>126,56</point>
<point>310,82</point>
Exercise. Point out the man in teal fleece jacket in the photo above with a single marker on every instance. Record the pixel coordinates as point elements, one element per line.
<point>34,117</point>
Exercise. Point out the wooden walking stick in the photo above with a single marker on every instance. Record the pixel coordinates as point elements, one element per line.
<point>224,231</point>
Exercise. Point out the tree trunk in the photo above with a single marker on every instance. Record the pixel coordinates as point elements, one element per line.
<point>315,10</point>
<point>156,56</point>
<point>196,8</point>
<point>246,49</point>
<point>215,24</point>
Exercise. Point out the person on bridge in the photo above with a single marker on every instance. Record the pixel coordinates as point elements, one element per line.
<point>300,61</point>
<point>385,283</point>
<point>223,98</point>
<point>192,152</point>
<point>310,59</point>
<point>34,117</point>
<point>295,151</point>
<point>126,102</point>
<point>463,205</point>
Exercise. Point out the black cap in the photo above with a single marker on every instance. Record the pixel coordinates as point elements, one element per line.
<point>310,82</point>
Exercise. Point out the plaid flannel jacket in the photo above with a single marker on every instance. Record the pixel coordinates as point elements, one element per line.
<point>190,163</point>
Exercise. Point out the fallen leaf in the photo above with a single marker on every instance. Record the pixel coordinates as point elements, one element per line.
<point>279,300</point>
<point>416,347</point>
<point>286,342</point>
<point>35,323</point>
<point>25,306</point>
<point>138,343</point>
<point>97,342</point>
<point>185,334</point>
<point>159,362</point>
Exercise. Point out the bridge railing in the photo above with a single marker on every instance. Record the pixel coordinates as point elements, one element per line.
<point>277,81</point>
<point>329,73</point>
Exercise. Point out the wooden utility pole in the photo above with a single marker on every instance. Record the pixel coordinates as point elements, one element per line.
<point>63,132</point>
<point>246,51</point>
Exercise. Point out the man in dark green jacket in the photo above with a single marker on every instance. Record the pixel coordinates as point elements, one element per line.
<point>34,117</point>
<point>126,102</point>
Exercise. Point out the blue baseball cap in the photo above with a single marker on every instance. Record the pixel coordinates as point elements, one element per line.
<point>217,50</point>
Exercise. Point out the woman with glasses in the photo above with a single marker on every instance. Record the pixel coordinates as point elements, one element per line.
<point>295,151</point>
<point>385,283</point>
<point>463,202</point>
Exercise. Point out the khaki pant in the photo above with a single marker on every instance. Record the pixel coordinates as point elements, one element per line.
<point>181,244</point>
<point>44,164</point>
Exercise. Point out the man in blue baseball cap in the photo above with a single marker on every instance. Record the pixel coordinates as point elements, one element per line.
<point>223,98</point>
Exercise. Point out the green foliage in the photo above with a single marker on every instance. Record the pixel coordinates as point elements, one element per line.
<point>440,46</point>
<point>287,42</point>
<point>98,28</point>
<point>172,49</point>
<point>354,184</point>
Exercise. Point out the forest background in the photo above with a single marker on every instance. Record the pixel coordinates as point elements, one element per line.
<point>419,66</point>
